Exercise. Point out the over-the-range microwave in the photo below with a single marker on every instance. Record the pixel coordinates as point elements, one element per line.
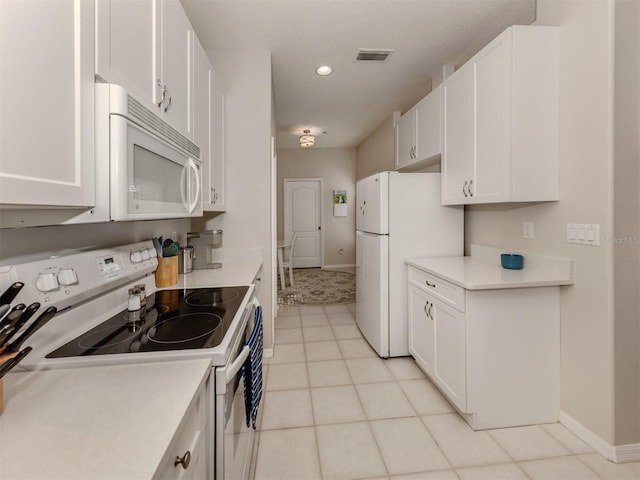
<point>154,170</point>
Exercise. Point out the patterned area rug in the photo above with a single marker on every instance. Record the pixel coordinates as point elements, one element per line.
<point>314,286</point>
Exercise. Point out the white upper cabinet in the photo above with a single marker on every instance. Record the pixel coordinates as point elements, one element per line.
<point>146,46</point>
<point>208,129</point>
<point>418,133</point>
<point>406,139</point>
<point>500,121</point>
<point>176,97</point>
<point>47,98</point>
<point>216,194</point>
<point>126,46</point>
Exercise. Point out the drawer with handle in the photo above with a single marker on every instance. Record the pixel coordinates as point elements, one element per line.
<point>436,286</point>
<point>184,459</point>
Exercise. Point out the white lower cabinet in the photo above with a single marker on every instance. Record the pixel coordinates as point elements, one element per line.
<point>421,327</point>
<point>186,457</point>
<point>495,354</point>
<point>449,351</point>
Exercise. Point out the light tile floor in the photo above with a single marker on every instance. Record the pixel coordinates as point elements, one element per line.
<point>334,410</point>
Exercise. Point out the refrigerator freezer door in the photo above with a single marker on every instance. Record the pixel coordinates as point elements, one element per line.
<point>372,290</point>
<point>372,197</point>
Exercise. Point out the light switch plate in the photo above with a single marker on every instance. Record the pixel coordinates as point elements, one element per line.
<point>583,234</point>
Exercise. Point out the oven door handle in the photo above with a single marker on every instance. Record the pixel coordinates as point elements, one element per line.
<point>237,364</point>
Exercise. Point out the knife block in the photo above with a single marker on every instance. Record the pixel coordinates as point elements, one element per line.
<point>167,271</point>
<point>3,358</point>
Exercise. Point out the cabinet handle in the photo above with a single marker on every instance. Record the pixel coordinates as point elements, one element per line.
<point>215,196</point>
<point>168,106</point>
<point>470,192</point>
<point>164,93</point>
<point>185,460</point>
<point>463,187</point>
<point>427,309</point>
<point>430,284</point>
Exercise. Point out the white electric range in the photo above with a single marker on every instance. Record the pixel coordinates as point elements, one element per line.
<point>93,326</point>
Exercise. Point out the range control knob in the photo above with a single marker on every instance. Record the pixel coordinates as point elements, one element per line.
<point>47,282</point>
<point>145,254</point>
<point>152,253</point>
<point>136,257</point>
<point>67,276</point>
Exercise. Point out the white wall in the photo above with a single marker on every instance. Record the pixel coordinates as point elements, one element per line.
<point>248,130</point>
<point>337,167</point>
<point>586,196</point>
<point>627,221</point>
<point>33,240</point>
<point>377,152</point>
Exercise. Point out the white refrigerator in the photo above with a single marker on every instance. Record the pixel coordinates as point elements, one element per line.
<point>398,216</point>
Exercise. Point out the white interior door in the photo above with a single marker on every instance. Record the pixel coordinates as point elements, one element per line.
<point>303,215</point>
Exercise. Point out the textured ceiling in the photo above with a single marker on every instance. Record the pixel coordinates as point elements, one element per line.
<point>357,97</point>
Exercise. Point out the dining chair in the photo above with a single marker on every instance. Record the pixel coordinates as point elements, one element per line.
<point>287,262</point>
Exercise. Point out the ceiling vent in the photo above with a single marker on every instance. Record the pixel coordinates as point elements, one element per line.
<point>373,55</point>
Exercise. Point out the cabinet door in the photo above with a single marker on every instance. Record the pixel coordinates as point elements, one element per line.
<point>177,58</point>
<point>421,329</point>
<point>218,157</point>
<point>127,34</point>
<point>450,352</point>
<point>428,125</point>
<point>406,139</point>
<point>202,90</point>
<point>457,137</point>
<point>47,97</point>
<point>492,87</point>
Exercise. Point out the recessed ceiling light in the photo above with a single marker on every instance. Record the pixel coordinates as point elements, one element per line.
<point>324,70</point>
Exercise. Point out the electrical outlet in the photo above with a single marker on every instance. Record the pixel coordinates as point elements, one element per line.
<point>527,230</point>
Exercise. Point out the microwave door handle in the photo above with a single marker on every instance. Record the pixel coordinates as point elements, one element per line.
<point>196,174</point>
<point>192,202</point>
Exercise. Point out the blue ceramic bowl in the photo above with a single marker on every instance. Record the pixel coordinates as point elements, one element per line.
<point>511,261</point>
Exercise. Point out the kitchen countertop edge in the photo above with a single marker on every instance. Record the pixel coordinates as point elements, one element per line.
<point>484,272</point>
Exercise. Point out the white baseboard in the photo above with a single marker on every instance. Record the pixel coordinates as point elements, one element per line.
<point>615,453</point>
<point>341,265</point>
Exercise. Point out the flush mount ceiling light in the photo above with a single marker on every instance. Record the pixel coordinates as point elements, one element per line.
<point>307,140</point>
<point>324,70</point>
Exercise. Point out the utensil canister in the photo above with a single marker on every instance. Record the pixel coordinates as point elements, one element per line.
<point>216,242</point>
<point>185,259</point>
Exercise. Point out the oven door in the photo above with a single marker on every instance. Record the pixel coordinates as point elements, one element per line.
<point>150,178</point>
<point>233,438</point>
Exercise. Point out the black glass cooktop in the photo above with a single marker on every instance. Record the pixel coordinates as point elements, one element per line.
<point>173,320</point>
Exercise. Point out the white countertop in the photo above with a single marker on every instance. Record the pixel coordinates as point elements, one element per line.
<point>232,273</point>
<point>112,422</point>
<point>482,270</point>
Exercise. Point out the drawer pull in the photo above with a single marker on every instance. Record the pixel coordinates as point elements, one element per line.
<point>184,461</point>
<point>430,284</point>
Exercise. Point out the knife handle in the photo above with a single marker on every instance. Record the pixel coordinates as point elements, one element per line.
<point>12,362</point>
<point>11,293</point>
<point>44,317</point>
<point>12,316</point>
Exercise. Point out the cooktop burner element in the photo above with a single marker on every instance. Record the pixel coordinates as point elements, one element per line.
<point>174,320</point>
<point>184,328</point>
<point>212,298</point>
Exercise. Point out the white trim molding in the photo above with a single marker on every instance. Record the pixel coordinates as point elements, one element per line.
<point>339,265</point>
<point>615,453</point>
